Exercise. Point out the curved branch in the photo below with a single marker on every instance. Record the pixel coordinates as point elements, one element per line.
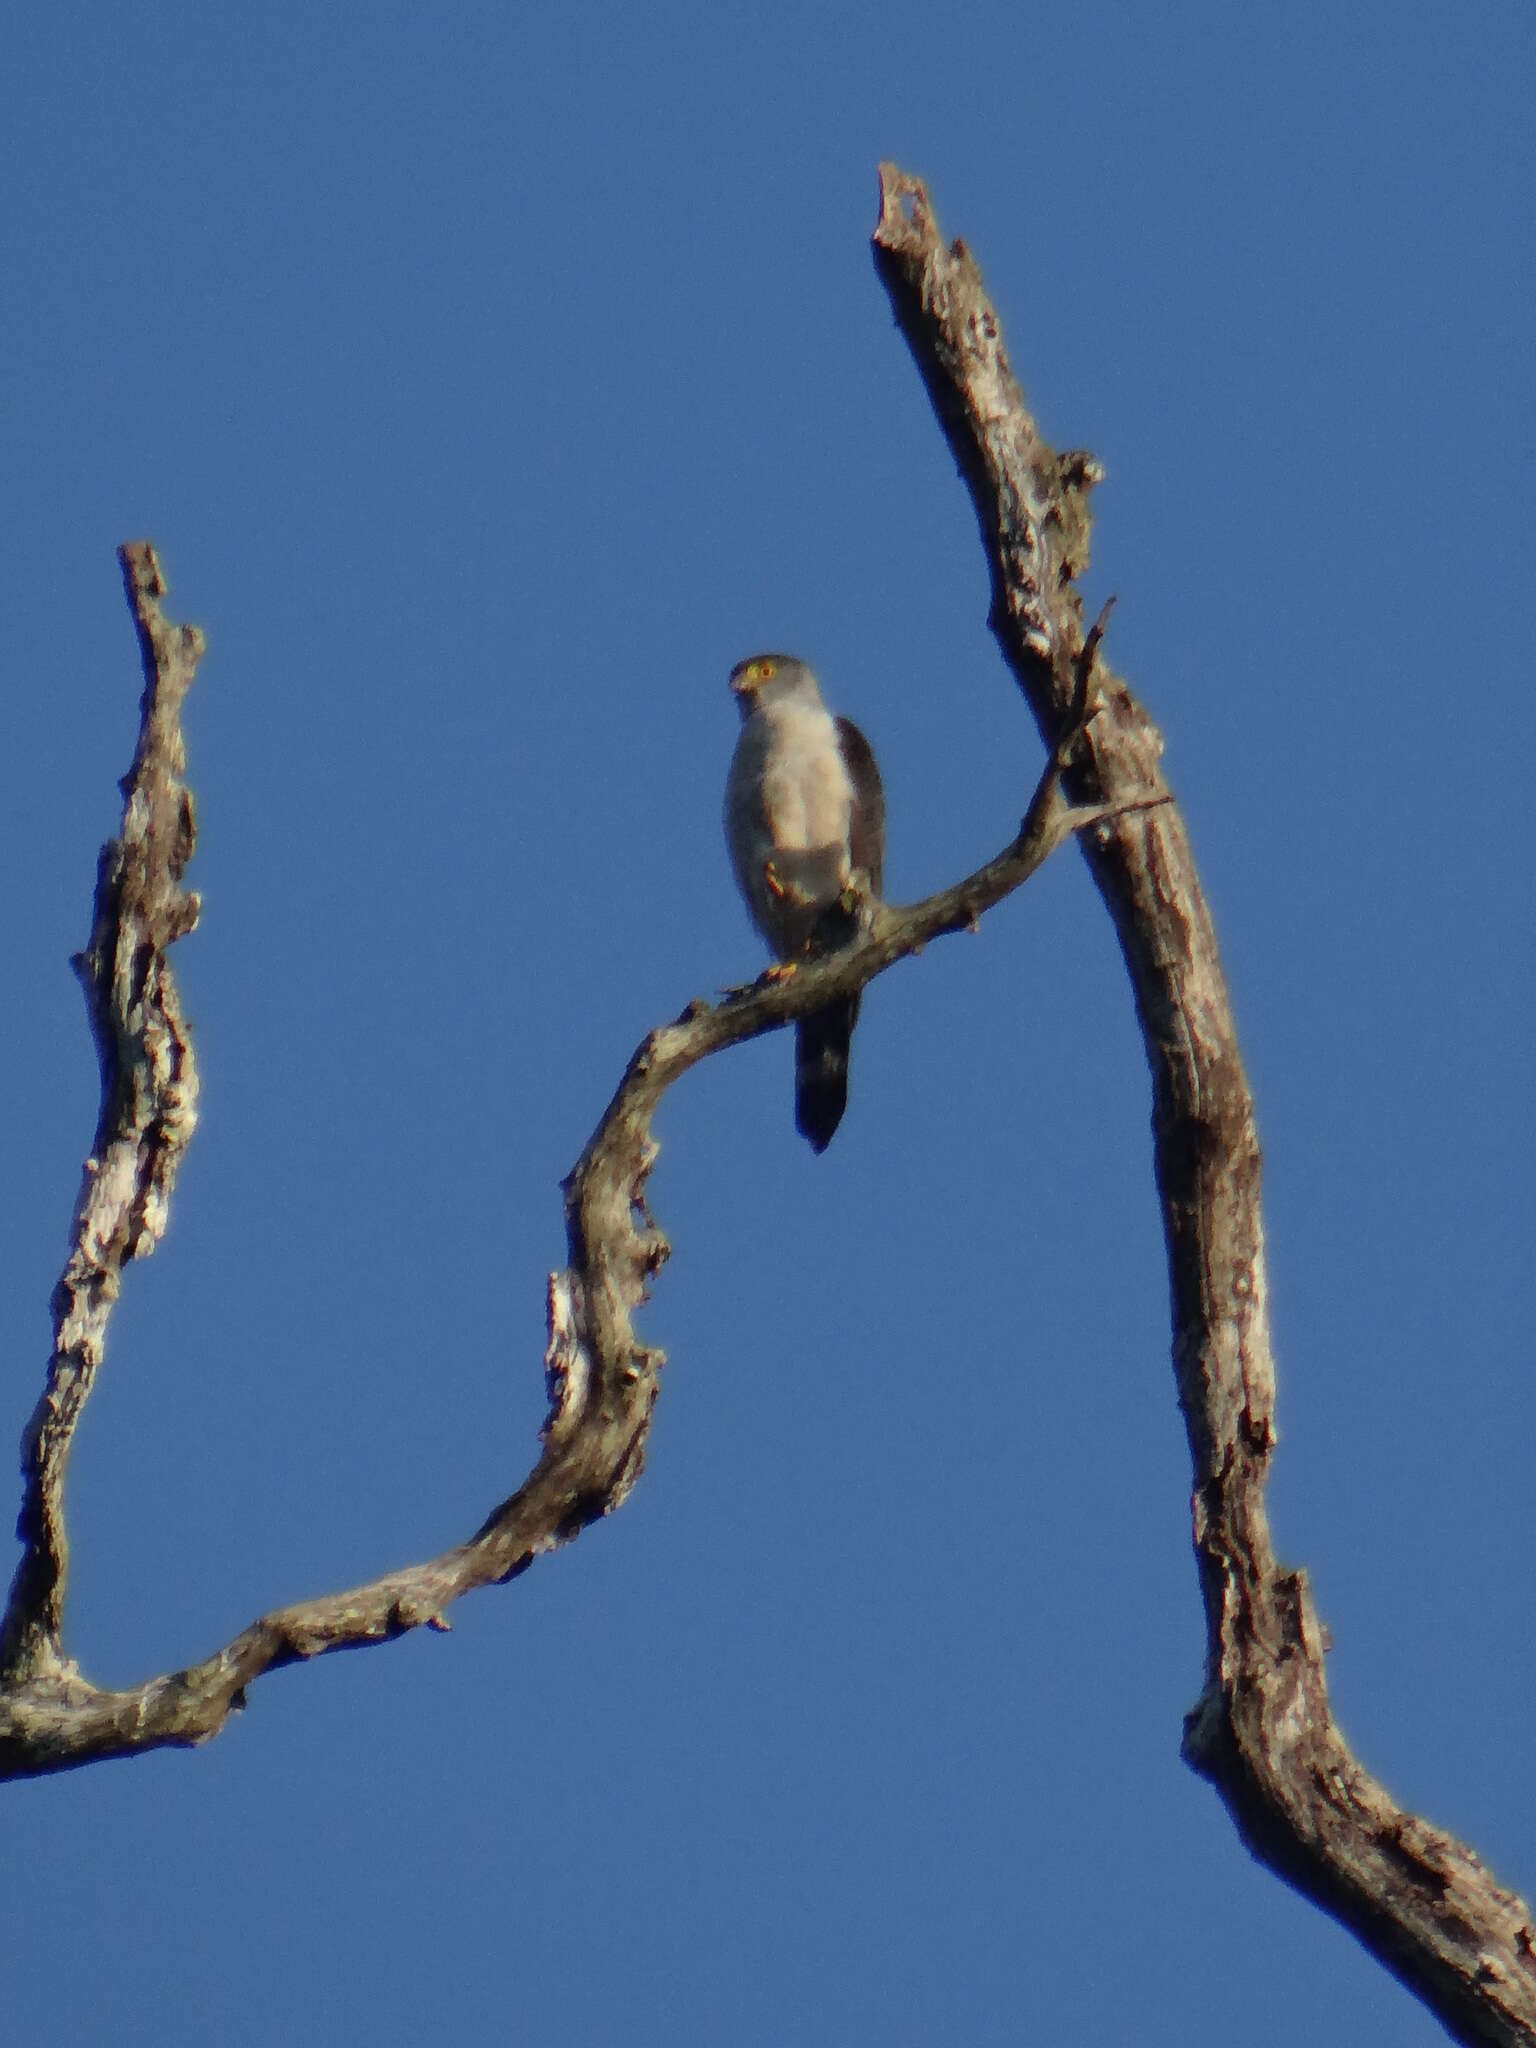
<point>1262,1732</point>
<point>602,1381</point>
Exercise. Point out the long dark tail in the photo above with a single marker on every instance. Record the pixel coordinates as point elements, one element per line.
<point>821,1071</point>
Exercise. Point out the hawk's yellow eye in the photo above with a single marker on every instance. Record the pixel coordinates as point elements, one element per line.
<point>761,671</point>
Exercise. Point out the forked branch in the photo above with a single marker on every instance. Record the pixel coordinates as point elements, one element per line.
<point>602,1380</point>
<point>1262,1730</point>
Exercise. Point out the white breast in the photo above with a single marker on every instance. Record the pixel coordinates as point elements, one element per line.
<point>807,796</point>
<point>788,791</point>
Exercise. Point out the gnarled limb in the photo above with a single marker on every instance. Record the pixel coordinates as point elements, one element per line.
<point>602,1380</point>
<point>1262,1732</point>
<point>148,1103</point>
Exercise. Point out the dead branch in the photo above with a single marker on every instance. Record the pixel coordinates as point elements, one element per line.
<point>1262,1731</point>
<point>148,1104</point>
<point>1419,1900</point>
<point>602,1380</point>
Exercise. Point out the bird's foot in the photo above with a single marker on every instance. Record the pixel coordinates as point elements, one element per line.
<point>788,886</point>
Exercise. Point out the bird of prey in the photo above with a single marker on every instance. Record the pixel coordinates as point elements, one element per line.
<point>804,822</point>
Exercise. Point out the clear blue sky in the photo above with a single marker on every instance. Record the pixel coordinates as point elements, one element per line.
<point>491,380</point>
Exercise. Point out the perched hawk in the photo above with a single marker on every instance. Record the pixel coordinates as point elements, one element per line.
<point>804,813</point>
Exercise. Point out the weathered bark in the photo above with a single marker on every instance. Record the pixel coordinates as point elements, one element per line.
<point>1261,1731</point>
<point>148,1104</point>
<point>602,1380</point>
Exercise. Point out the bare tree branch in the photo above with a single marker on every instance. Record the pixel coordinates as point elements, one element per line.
<point>602,1381</point>
<point>1262,1731</point>
<point>1419,1900</point>
<point>148,1103</point>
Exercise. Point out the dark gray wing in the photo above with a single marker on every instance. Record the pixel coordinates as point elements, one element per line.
<point>866,827</point>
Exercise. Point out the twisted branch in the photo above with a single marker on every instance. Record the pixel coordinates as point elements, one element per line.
<point>1262,1731</point>
<point>602,1380</point>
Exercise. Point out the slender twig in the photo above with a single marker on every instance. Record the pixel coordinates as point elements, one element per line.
<point>1262,1731</point>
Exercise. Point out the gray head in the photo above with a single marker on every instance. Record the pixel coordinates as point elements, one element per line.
<point>770,679</point>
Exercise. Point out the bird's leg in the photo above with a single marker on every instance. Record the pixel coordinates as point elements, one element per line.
<point>801,878</point>
<point>782,892</point>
